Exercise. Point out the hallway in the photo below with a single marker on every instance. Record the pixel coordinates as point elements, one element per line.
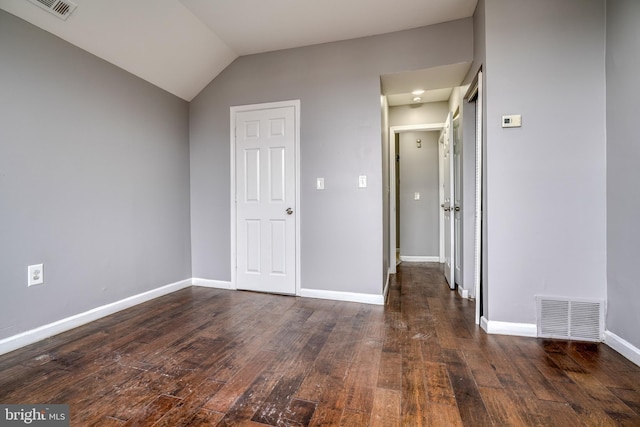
<point>205,356</point>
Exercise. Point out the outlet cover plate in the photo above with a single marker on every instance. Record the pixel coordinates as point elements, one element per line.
<point>35,274</point>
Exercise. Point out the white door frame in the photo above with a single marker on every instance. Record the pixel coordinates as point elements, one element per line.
<point>457,202</point>
<point>448,225</point>
<point>265,106</point>
<point>393,130</point>
<point>475,94</point>
<point>441,253</point>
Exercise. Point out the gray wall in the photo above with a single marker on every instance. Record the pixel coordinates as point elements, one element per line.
<point>419,219</point>
<point>623,174</point>
<point>479,63</point>
<point>339,88</point>
<point>479,41</point>
<point>94,180</point>
<point>546,180</point>
<point>480,59</point>
<point>418,114</point>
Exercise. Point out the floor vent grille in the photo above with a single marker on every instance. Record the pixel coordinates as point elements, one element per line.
<point>60,8</point>
<point>572,319</point>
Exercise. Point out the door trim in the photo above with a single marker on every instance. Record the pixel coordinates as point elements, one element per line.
<point>457,202</point>
<point>450,225</point>
<point>393,130</point>
<point>234,110</point>
<point>475,94</point>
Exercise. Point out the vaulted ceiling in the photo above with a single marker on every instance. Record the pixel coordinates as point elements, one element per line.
<point>181,45</point>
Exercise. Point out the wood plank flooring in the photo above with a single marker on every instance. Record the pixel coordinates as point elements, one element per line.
<point>212,357</point>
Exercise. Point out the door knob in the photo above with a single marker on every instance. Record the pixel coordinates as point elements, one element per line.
<point>289,211</point>
<point>457,208</point>
<point>447,209</point>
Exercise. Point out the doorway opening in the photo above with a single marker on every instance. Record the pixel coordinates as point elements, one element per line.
<point>475,105</point>
<point>415,192</point>
<point>440,93</point>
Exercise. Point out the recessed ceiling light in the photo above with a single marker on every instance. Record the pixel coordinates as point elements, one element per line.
<point>417,92</point>
<point>417,99</point>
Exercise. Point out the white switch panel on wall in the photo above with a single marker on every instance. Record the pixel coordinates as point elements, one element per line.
<point>512,121</point>
<point>319,183</point>
<point>362,181</point>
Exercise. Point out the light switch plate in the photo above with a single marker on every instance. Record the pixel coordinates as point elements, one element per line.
<point>319,183</point>
<point>362,181</point>
<point>512,121</point>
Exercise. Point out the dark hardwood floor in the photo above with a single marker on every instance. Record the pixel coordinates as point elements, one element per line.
<point>213,357</point>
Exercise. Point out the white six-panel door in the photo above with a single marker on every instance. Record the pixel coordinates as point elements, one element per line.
<point>265,199</point>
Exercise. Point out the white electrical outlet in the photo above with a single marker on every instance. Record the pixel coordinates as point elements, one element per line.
<point>35,274</point>
<point>362,181</point>
<point>416,196</point>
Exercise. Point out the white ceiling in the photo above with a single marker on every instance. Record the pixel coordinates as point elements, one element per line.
<point>181,45</point>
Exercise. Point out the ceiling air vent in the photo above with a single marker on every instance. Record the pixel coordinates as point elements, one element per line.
<point>60,8</point>
<point>572,319</point>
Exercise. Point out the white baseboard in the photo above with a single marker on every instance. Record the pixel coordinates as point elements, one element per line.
<point>484,324</point>
<point>343,296</point>
<point>34,335</point>
<point>509,328</point>
<point>409,258</point>
<point>206,283</point>
<point>463,292</point>
<point>622,346</point>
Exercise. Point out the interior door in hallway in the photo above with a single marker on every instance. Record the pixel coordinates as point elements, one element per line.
<point>457,193</point>
<point>265,199</point>
<point>448,204</point>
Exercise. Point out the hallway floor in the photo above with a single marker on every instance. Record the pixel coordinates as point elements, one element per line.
<point>204,356</point>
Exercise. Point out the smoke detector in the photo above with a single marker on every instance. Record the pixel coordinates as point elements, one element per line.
<point>60,8</point>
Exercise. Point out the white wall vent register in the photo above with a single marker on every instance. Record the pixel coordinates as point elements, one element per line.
<point>60,8</point>
<point>567,318</point>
